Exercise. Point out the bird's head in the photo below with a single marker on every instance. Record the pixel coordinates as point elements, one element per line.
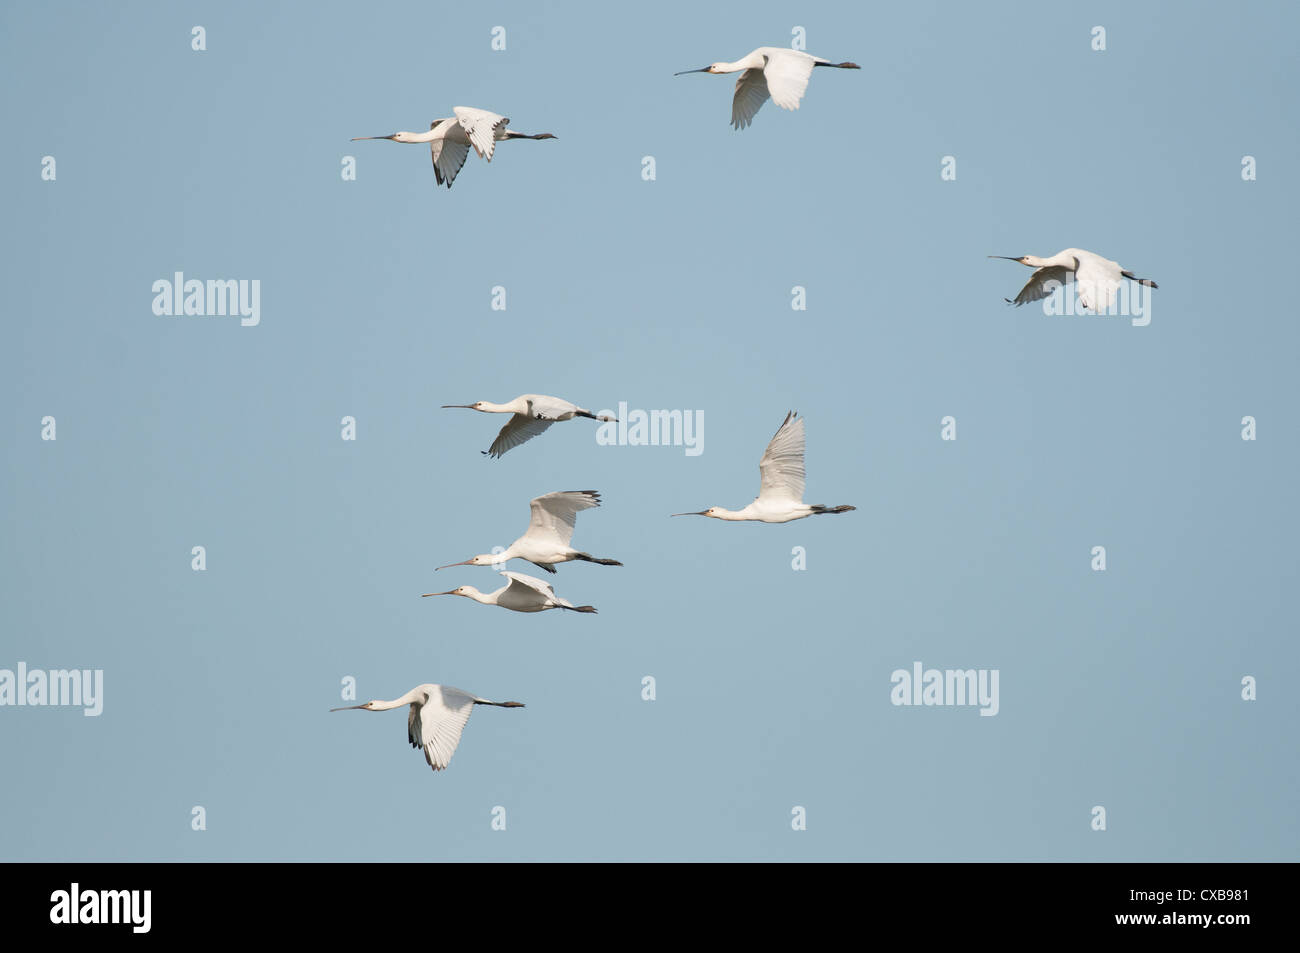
<point>713,511</point>
<point>368,706</point>
<point>477,405</point>
<point>1021,259</point>
<point>458,591</point>
<point>483,559</point>
<point>711,68</point>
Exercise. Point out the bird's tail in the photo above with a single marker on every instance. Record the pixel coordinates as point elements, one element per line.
<point>588,558</point>
<point>818,508</point>
<point>579,608</point>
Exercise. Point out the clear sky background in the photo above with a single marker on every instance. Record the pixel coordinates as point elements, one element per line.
<point>1119,689</point>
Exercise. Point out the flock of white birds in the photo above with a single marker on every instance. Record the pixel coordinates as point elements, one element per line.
<point>438,713</point>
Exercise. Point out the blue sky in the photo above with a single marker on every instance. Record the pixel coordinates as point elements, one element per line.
<point>1118,688</point>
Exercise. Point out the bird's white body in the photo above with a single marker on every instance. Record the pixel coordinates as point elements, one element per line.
<point>450,139</point>
<point>1097,279</point>
<point>531,414</point>
<point>780,494</point>
<point>769,71</point>
<point>550,530</point>
<point>437,717</point>
<point>520,594</point>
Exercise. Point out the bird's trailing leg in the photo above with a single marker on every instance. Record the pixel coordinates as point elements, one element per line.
<point>590,416</point>
<point>588,558</point>
<point>818,509</point>
<point>579,608</point>
<point>840,65</point>
<point>1142,281</point>
<point>498,704</point>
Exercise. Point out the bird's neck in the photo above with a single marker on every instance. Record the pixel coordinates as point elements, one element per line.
<point>413,695</point>
<point>516,406</point>
<point>731,515</point>
<point>1064,259</point>
<point>422,136</point>
<point>753,61</point>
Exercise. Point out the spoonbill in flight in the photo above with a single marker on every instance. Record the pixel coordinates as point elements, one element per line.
<point>533,413</point>
<point>437,717</point>
<point>449,139</point>
<point>780,493</point>
<point>1096,277</point>
<point>521,594</point>
<point>768,71</point>
<point>549,531</point>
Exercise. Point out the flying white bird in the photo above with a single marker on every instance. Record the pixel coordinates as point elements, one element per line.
<point>449,139</point>
<point>533,413</point>
<point>780,493</point>
<point>437,717</point>
<point>549,531</point>
<point>521,594</point>
<point>769,71</point>
<point>1097,278</point>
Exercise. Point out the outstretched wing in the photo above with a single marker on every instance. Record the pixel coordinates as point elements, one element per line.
<point>787,73</point>
<point>437,724</point>
<point>1098,284</point>
<point>529,582</point>
<point>555,515</point>
<point>482,127</point>
<point>1042,283</point>
<point>448,156</point>
<point>782,464</point>
<point>518,429</point>
<point>751,93</point>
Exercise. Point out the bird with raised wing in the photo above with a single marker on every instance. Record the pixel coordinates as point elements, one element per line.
<point>531,414</point>
<point>1097,279</point>
<point>550,530</point>
<point>521,594</point>
<point>450,139</point>
<point>436,719</point>
<point>780,492</point>
<point>773,71</point>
